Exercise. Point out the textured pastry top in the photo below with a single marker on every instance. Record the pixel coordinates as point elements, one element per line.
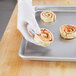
<point>68,29</point>
<point>45,35</point>
<point>48,15</point>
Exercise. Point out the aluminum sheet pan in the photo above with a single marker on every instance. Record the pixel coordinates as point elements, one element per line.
<point>60,49</point>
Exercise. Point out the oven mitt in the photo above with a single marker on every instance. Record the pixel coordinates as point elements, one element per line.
<point>27,24</point>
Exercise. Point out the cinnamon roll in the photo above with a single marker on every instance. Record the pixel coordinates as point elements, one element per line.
<point>45,38</point>
<point>68,31</point>
<point>48,16</point>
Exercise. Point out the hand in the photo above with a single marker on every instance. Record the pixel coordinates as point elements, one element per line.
<point>27,24</point>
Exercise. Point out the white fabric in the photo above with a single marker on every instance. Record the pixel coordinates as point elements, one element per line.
<point>27,24</point>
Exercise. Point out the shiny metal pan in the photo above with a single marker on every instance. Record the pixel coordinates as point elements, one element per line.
<point>60,49</point>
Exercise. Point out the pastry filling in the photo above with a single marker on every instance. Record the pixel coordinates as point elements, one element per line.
<point>49,15</point>
<point>45,35</point>
<point>68,29</point>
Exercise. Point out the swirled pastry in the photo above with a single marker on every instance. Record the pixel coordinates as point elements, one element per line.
<point>48,16</point>
<point>68,31</point>
<point>45,38</point>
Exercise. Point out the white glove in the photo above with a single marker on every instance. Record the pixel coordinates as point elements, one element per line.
<point>27,24</point>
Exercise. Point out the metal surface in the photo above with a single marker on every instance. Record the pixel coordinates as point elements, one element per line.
<point>60,49</point>
<point>6,9</point>
<point>60,8</point>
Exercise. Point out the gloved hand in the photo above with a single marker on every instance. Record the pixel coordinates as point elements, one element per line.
<point>27,24</point>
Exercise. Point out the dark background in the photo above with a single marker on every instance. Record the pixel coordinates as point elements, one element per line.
<point>6,9</point>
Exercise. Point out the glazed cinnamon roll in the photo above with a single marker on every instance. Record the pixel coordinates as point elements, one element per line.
<point>68,31</point>
<point>45,38</point>
<point>48,16</point>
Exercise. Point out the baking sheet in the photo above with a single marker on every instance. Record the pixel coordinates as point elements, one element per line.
<point>60,49</point>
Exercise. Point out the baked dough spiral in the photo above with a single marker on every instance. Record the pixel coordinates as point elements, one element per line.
<point>68,31</point>
<point>48,16</point>
<point>45,38</point>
